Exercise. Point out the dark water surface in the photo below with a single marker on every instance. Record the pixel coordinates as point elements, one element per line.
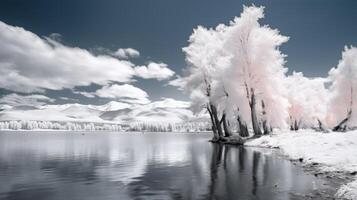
<point>72,165</point>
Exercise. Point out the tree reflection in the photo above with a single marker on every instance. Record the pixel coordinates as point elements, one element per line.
<point>215,163</point>
<point>241,158</point>
<point>256,157</point>
<point>234,171</point>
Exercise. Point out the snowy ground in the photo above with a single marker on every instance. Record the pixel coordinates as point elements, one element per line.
<point>330,152</point>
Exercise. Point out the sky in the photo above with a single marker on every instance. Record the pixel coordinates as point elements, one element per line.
<point>145,39</point>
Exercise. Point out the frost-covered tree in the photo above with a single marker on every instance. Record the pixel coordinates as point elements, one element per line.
<point>257,69</point>
<point>237,71</point>
<point>343,103</point>
<point>307,98</point>
<point>15,125</point>
<point>203,58</point>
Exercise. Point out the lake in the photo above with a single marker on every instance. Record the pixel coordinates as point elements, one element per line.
<point>102,165</point>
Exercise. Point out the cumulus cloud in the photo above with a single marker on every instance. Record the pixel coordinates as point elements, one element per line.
<point>29,63</point>
<point>127,93</point>
<point>126,53</point>
<point>153,70</point>
<point>25,100</point>
<point>178,82</point>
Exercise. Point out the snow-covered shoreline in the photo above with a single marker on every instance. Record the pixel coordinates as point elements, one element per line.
<point>328,152</point>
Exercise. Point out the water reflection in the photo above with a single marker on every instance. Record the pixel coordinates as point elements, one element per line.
<point>144,166</point>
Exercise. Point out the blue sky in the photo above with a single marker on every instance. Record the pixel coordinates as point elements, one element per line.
<point>158,29</point>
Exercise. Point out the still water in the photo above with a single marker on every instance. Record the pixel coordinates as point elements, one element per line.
<point>72,165</point>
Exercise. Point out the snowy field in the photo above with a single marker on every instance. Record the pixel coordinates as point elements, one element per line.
<point>331,152</point>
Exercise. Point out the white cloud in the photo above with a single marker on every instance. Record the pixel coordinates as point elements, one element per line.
<point>178,82</point>
<point>29,63</point>
<point>28,100</point>
<point>126,93</point>
<point>86,94</point>
<point>126,53</point>
<point>158,71</point>
<point>68,99</point>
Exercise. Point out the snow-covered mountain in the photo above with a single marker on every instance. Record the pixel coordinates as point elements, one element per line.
<point>164,111</point>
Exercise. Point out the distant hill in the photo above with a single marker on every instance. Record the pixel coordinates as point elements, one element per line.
<point>166,111</point>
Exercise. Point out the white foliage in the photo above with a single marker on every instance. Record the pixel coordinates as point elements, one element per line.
<point>308,98</point>
<point>257,61</point>
<point>203,57</point>
<point>228,57</point>
<point>344,79</point>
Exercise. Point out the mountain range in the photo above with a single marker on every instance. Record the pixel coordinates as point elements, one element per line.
<point>165,111</point>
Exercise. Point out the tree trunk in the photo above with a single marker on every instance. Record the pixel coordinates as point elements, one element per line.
<point>321,127</point>
<point>266,129</point>
<point>216,121</point>
<point>342,125</point>
<point>227,132</point>
<point>291,124</point>
<point>214,127</point>
<point>243,130</point>
<point>296,125</point>
<point>265,122</point>
<point>253,112</point>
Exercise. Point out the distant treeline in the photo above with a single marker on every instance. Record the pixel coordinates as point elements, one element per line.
<point>170,127</point>
<point>96,126</point>
<point>71,126</point>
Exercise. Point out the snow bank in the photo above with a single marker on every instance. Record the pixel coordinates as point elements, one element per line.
<point>332,151</point>
<point>348,191</point>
